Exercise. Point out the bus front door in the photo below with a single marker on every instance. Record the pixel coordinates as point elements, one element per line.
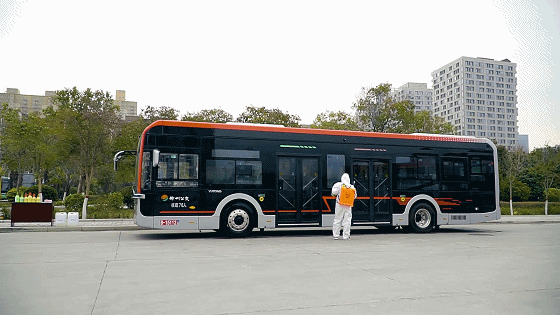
<point>372,182</point>
<point>298,190</point>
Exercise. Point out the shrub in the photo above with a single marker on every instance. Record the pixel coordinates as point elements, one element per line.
<point>48,192</point>
<point>74,202</point>
<point>11,194</point>
<point>127,197</point>
<point>553,194</point>
<point>115,201</point>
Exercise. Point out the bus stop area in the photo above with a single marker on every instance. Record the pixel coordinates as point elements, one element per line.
<point>128,224</point>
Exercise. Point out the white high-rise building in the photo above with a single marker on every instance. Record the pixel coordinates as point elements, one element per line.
<point>417,93</point>
<point>478,96</point>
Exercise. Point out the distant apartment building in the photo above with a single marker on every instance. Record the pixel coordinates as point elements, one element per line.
<point>27,104</point>
<point>128,108</point>
<point>523,142</point>
<point>478,96</point>
<point>417,93</point>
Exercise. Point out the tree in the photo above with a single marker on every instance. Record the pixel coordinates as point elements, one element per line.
<point>547,167</point>
<point>42,149</point>
<point>513,163</point>
<point>88,119</point>
<point>152,114</point>
<point>335,121</point>
<point>261,115</point>
<point>15,141</point>
<point>376,110</point>
<point>424,122</point>
<point>127,139</point>
<point>209,115</point>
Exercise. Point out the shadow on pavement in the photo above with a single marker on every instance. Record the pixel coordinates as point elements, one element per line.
<point>308,232</point>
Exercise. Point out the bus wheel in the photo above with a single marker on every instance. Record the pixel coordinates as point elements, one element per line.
<point>422,218</point>
<point>237,221</point>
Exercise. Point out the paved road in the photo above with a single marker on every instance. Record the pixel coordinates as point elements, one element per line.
<point>478,269</point>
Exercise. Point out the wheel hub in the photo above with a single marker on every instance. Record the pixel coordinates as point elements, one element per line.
<point>238,220</point>
<point>423,218</point>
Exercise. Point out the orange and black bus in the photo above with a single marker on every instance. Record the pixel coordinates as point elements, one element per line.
<point>238,177</point>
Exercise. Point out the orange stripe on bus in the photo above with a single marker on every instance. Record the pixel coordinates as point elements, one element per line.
<point>179,211</point>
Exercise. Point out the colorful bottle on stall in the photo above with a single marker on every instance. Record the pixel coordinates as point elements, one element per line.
<point>34,198</point>
<point>16,199</point>
<point>26,198</point>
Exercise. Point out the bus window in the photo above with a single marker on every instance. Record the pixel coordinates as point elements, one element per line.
<point>482,173</point>
<point>233,172</point>
<point>177,170</point>
<point>475,166</point>
<point>454,175</point>
<point>453,170</point>
<point>248,172</point>
<point>220,172</point>
<point>188,166</point>
<point>335,168</point>
<point>415,173</point>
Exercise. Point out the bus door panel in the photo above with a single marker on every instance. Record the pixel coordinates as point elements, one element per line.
<point>362,183</point>
<point>372,182</point>
<point>298,190</point>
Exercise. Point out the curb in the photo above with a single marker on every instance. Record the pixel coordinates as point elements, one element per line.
<point>13,229</point>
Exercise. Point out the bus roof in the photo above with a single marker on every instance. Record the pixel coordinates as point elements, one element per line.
<point>282,129</point>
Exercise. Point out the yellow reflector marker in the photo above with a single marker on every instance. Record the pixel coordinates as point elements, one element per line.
<point>192,207</point>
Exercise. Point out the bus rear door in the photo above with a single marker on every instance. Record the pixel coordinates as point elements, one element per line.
<point>298,190</point>
<point>372,181</point>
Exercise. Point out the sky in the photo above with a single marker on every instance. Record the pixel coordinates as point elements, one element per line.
<point>303,57</point>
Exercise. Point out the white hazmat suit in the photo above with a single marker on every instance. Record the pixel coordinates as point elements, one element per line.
<point>342,213</point>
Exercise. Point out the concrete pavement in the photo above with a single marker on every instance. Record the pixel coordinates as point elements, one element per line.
<point>128,224</point>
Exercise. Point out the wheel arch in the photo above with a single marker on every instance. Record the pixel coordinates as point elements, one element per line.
<point>239,197</point>
<point>422,198</point>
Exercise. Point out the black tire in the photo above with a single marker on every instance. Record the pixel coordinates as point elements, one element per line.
<point>237,221</point>
<point>422,218</point>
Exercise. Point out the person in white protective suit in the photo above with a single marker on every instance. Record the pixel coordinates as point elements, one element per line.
<point>345,194</point>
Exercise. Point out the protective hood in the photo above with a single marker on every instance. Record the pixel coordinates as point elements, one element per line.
<point>345,179</point>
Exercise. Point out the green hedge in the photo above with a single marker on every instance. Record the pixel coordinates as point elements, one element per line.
<point>530,208</point>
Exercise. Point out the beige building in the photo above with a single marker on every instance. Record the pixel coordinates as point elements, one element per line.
<point>37,103</point>
<point>417,93</point>
<point>478,96</point>
<point>26,103</point>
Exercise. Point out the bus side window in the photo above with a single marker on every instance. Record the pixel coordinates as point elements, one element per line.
<point>454,175</point>
<point>335,168</point>
<point>177,170</point>
<point>482,173</point>
<point>220,172</point>
<point>416,173</point>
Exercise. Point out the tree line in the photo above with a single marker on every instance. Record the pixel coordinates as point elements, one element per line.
<point>70,145</point>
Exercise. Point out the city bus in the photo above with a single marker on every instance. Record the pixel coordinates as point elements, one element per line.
<point>237,177</point>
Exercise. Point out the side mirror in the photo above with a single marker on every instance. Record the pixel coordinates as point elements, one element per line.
<point>155,160</point>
